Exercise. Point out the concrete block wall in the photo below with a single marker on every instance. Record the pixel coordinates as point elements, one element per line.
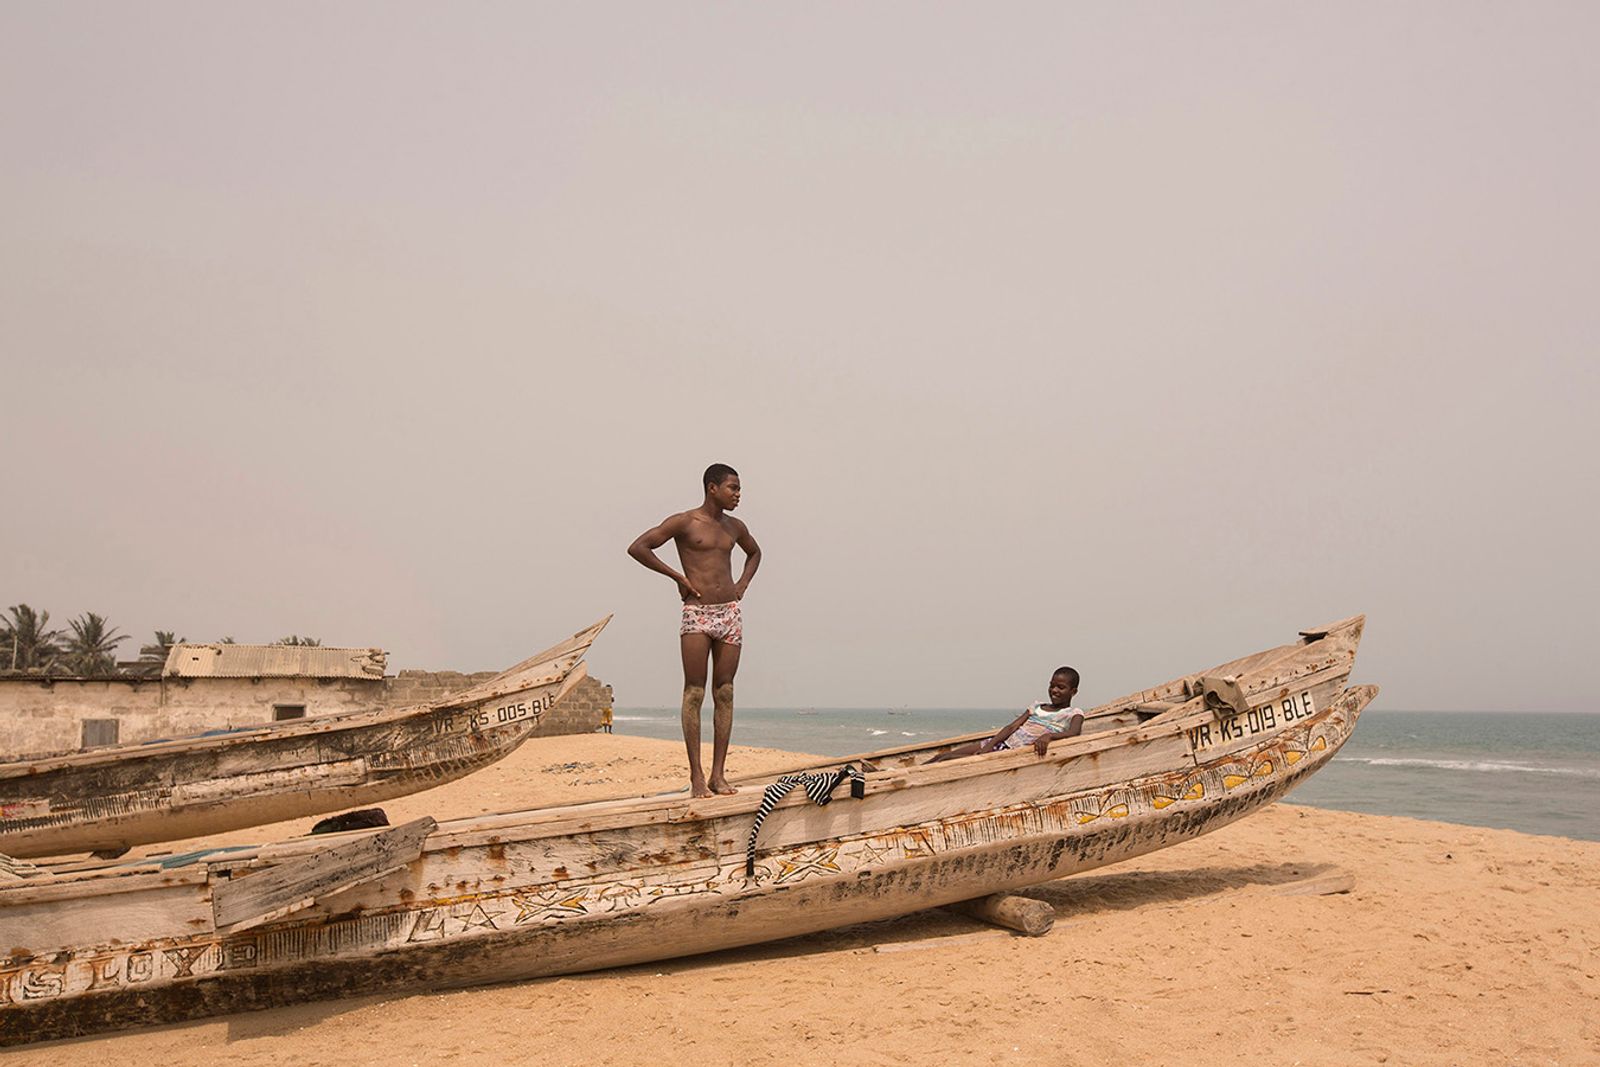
<point>48,716</point>
<point>38,716</point>
<point>192,705</point>
<point>581,711</point>
<point>424,687</point>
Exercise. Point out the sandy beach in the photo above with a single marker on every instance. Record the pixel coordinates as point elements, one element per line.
<point>1456,945</point>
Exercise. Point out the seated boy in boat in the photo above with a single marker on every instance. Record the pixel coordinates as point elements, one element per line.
<point>1041,724</point>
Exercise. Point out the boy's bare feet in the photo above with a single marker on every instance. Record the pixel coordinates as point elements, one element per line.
<point>697,788</point>
<point>719,785</point>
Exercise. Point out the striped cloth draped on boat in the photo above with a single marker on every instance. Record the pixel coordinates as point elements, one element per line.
<point>819,787</point>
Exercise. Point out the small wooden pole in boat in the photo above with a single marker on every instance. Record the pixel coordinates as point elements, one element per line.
<point>1023,914</point>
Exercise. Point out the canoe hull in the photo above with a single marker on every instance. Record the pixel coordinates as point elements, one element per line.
<point>197,794</point>
<point>683,908</point>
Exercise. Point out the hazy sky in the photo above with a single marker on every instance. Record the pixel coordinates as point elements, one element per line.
<point>1132,336</point>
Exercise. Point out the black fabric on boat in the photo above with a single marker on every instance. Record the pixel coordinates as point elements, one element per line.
<point>819,787</point>
<point>362,819</point>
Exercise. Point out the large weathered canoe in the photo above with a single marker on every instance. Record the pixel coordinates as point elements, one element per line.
<point>113,798</point>
<point>554,891</point>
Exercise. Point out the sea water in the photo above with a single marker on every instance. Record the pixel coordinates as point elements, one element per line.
<point>1538,773</point>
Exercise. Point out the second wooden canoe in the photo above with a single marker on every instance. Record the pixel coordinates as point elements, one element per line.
<point>109,799</point>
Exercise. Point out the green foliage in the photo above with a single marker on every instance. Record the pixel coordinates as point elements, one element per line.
<point>27,644</point>
<point>91,650</point>
<point>153,657</point>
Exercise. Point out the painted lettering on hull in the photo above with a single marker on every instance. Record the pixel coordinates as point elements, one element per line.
<point>1259,720</point>
<point>529,710</point>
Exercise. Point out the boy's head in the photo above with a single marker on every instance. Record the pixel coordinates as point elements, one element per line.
<point>722,485</point>
<point>1063,686</point>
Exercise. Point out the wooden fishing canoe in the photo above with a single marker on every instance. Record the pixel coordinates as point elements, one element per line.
<point>561,890</point>
<point>109,799</point>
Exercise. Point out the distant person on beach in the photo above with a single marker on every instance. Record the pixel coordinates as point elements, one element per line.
<point>1041,724</point>
<point>713,622</point>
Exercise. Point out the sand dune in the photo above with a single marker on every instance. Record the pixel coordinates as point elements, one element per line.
<point>1456,945</point>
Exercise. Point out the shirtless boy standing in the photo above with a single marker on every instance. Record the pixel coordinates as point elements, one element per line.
<point>712,624</point>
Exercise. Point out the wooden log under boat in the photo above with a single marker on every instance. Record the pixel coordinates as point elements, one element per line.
<point>1022,914</point>
<point>557,891</point>
<point>114,798</point>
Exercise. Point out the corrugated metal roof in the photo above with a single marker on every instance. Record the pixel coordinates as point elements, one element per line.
<point>273,661</point>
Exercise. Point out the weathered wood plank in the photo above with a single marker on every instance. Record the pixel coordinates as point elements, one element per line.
<point>15,870</point>
<point>241,902</point>
<point>1316,632</point>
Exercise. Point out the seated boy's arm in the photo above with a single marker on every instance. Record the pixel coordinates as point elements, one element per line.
<point>1010,728</point>
<point>1074,728</point>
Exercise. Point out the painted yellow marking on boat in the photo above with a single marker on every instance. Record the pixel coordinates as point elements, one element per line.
<point>1195,791</point>
<point>1119,811</point>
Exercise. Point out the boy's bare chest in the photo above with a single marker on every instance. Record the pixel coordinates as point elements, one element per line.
<point>707,537</point>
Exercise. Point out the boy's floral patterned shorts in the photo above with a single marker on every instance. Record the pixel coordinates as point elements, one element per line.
<point>720,622</point>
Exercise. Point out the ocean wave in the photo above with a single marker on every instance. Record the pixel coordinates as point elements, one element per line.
<point>908,733</point>
<point>1486,766</point>
<point>879,733</point>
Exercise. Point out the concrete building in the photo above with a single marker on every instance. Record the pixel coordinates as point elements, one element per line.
<point>223,686</point>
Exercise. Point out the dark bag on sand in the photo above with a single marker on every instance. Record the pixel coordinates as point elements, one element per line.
<point>364,819</point>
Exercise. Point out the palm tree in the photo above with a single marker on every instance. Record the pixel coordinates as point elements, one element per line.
<point>26,643</point>
<point>154,657</point>
<point>294,639</point>
<point>91,650</point>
